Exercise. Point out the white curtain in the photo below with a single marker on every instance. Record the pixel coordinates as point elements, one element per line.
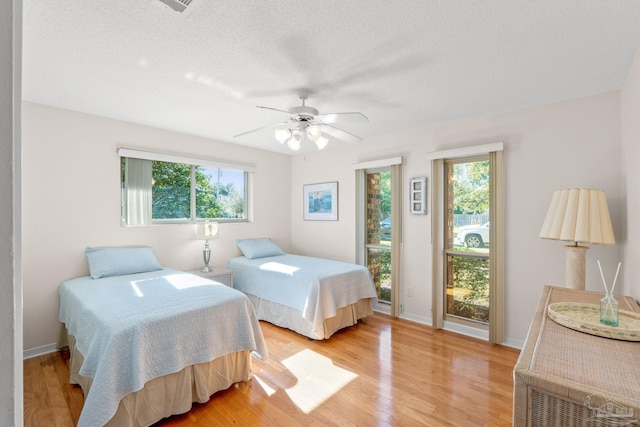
<point>137,186</point>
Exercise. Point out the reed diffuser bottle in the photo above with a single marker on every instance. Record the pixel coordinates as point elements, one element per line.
<point>608,304</point>
<point>609,310</point>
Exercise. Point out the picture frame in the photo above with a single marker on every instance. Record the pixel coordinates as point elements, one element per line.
<point>320,201</point>
<point>418,196</point>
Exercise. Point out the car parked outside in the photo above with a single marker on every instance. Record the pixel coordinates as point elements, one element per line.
<point>472,236</point>
<point>385,229</point>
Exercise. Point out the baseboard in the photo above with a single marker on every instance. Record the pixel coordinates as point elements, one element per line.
<point>418,319</point>
<point>460,329</point>
<point>39,351</point>
<point>510,342</point>
<point>483,335</point>
<point>466,330</point>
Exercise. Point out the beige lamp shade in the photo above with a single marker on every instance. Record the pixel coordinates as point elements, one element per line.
<point>578,215</point>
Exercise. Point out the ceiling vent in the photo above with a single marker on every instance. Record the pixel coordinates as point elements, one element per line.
<point>177,5</point>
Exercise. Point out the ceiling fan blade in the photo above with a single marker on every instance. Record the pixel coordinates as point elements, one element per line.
<point>340,134</point>
<point>274,109</point>
<point>260,128</point>
<point>354,117</point>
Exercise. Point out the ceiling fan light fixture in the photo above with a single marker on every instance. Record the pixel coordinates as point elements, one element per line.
<point>282,134</point>
<point>321,142</point>
<point>314,132</point>
<point>294,142</point>
<point>307,124</point>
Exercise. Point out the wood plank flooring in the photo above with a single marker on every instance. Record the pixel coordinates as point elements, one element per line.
<point>381,372</point>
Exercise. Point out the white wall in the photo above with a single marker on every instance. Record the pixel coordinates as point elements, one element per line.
<point>71,199</point>
<point>630,101</point>
<point>10,260</point>
<point>569,144</point>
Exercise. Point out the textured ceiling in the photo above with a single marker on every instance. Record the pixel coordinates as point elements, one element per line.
<point>405,64</point>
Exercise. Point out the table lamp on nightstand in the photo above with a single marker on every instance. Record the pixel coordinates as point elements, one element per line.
<point>206,231</point>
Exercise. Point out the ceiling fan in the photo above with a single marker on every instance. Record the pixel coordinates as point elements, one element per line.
<point>306,123</point>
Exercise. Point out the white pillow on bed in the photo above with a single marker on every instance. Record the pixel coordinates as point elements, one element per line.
<point>259,248</point>
<point>107,262</point>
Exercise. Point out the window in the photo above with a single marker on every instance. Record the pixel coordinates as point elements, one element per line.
<point>379,213</point>
<point>168,189</point>
<point>467,235</point>
<point>378,238</point>
<point>467,240</point>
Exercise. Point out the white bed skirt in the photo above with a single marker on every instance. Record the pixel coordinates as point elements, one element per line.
<point>171,394</point>
<point>291,318</point>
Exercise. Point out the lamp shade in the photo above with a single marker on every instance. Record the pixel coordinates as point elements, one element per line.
<point>207,230</point>
<point>578,215</point>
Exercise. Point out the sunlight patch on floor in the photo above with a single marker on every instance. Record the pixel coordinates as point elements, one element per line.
<point>317,379</point>
<point>267,389</point>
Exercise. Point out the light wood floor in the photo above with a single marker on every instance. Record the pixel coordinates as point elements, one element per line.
<point>382,372</point>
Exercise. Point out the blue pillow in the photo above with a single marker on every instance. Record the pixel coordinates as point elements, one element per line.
<point>259,248</point>
<point>106,262</point>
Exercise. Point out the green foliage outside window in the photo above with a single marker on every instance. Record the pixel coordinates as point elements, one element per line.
<point>385,194</point>
<point>214,199</point>
<point>471,187</point>
<point>384,291</point>
<point>219,193</point>
<point>469,298</point>
<point>171,190</point>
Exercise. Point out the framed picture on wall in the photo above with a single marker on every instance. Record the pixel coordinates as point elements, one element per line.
<point>321,201</point>
<point>418,196</point>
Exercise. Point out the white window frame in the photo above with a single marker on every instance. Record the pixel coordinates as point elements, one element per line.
<point>247,169</point>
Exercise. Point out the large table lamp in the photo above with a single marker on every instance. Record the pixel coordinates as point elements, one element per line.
<point>206,231</point>
<point>578,215</point>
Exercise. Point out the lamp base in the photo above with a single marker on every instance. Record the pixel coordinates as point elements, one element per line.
<point>575,266</point>
<point>206,256</point>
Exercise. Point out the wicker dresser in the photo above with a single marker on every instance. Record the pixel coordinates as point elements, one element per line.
<point>568,378</point>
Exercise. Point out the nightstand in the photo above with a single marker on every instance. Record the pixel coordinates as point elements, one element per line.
<point>219,274</point>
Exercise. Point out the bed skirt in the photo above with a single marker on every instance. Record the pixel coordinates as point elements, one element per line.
<point>291,318</point>
<point>171,394</point>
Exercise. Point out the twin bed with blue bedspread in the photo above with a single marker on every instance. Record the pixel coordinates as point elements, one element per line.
<point>312,296</point>
<point>146,344</point>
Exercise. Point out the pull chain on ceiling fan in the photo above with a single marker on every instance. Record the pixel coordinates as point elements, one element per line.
<point>307,124</point>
